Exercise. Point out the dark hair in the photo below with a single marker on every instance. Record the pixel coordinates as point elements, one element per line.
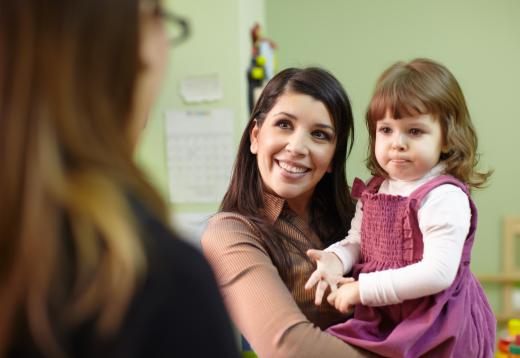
<point>331,206</point>
<point>423,86</point>
<point>68,72</point>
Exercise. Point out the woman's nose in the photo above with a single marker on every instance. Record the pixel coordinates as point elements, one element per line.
<point>297,144</point>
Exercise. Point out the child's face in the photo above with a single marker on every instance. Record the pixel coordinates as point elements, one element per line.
<point>410,147</point>
<point>294,147</point>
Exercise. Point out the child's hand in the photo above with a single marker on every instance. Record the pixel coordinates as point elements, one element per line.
<point>345,297</point>
<point>329,272</point>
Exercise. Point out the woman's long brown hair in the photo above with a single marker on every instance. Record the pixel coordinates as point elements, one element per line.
<point>331,206</point>
<point>67,76</point>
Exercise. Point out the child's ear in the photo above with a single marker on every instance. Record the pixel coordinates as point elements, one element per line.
<point>253,137</point>
<point>446,149</point>
<point>445,152</point>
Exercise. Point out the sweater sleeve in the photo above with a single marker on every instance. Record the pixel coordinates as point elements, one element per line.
<point>260,304</point>
<point>444,221</point>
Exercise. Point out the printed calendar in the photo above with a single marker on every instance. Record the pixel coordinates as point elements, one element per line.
<point>200,154</point>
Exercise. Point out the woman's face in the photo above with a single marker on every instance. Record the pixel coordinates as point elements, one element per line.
<point>153,51</point>
<point>294,148</point>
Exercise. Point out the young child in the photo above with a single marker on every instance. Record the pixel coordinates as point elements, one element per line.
<point>409,246</point>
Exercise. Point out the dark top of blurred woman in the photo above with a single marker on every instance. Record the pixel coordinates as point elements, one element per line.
<point>88,266</point>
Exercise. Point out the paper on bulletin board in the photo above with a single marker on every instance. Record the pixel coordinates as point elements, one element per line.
<point>195,89</point>
<point>200,154</point>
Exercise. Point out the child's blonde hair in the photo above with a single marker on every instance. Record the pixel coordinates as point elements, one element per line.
<point>419,87</point>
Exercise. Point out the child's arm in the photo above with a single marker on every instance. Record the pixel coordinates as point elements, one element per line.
<point>347,250</point>
<point>444,221</point>
<point>333,262</point>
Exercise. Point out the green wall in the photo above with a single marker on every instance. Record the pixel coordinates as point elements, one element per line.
<point>478,40</point>
<point>219,44</point>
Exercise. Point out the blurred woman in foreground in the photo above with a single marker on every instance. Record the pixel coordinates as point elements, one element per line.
<point>88,266</point>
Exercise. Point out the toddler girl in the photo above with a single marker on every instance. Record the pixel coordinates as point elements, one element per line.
<point>409,246</point>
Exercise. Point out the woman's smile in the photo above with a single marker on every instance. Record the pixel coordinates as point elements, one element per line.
<point>294,170</point>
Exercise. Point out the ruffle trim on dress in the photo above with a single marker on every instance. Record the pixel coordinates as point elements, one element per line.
<point>358,187</point>
<point>410,221</point>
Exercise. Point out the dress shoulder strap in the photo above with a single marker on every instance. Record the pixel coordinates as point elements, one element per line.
<point>418,194</point>
<point>359,186</point>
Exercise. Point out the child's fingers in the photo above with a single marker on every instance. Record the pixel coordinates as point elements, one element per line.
<point>344,280</point>
<point>339,304</point>
<point>331,298</point>
<point>333,286</point>
<point>343,308</point>
<point>315,255</point>
<point>313,280</point>
<point>320,291</point>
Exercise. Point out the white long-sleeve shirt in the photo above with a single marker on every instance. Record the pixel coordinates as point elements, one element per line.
<point>444,217</point>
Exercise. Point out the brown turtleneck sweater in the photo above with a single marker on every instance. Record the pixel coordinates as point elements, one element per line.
<point>276,320</point>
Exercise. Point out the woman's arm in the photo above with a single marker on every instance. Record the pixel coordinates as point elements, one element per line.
<point>444,220</point>
<point>260,304</point>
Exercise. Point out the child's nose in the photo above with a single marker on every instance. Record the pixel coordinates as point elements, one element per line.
<point>399,142</point>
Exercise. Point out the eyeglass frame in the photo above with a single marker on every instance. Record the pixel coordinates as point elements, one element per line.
<point>177,20</point>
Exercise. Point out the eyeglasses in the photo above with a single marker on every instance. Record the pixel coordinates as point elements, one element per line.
<point>177,27</point>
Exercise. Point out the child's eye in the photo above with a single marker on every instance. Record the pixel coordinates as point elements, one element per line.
<point>384,130</point>
<point>416,131</point>
<point>321,135</point>
<point>283,124</point>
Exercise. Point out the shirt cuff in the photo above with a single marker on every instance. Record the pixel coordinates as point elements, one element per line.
<point>343,254</point>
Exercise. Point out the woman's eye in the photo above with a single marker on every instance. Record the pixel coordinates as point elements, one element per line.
<point>415,131</point>
<point>284,124</point>
<point>321,135</point>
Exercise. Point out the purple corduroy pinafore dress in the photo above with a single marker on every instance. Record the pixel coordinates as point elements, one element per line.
<point>456,322</point>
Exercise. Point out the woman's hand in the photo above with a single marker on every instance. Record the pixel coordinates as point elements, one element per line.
<point>329,272</point>
<point>345,297</point>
